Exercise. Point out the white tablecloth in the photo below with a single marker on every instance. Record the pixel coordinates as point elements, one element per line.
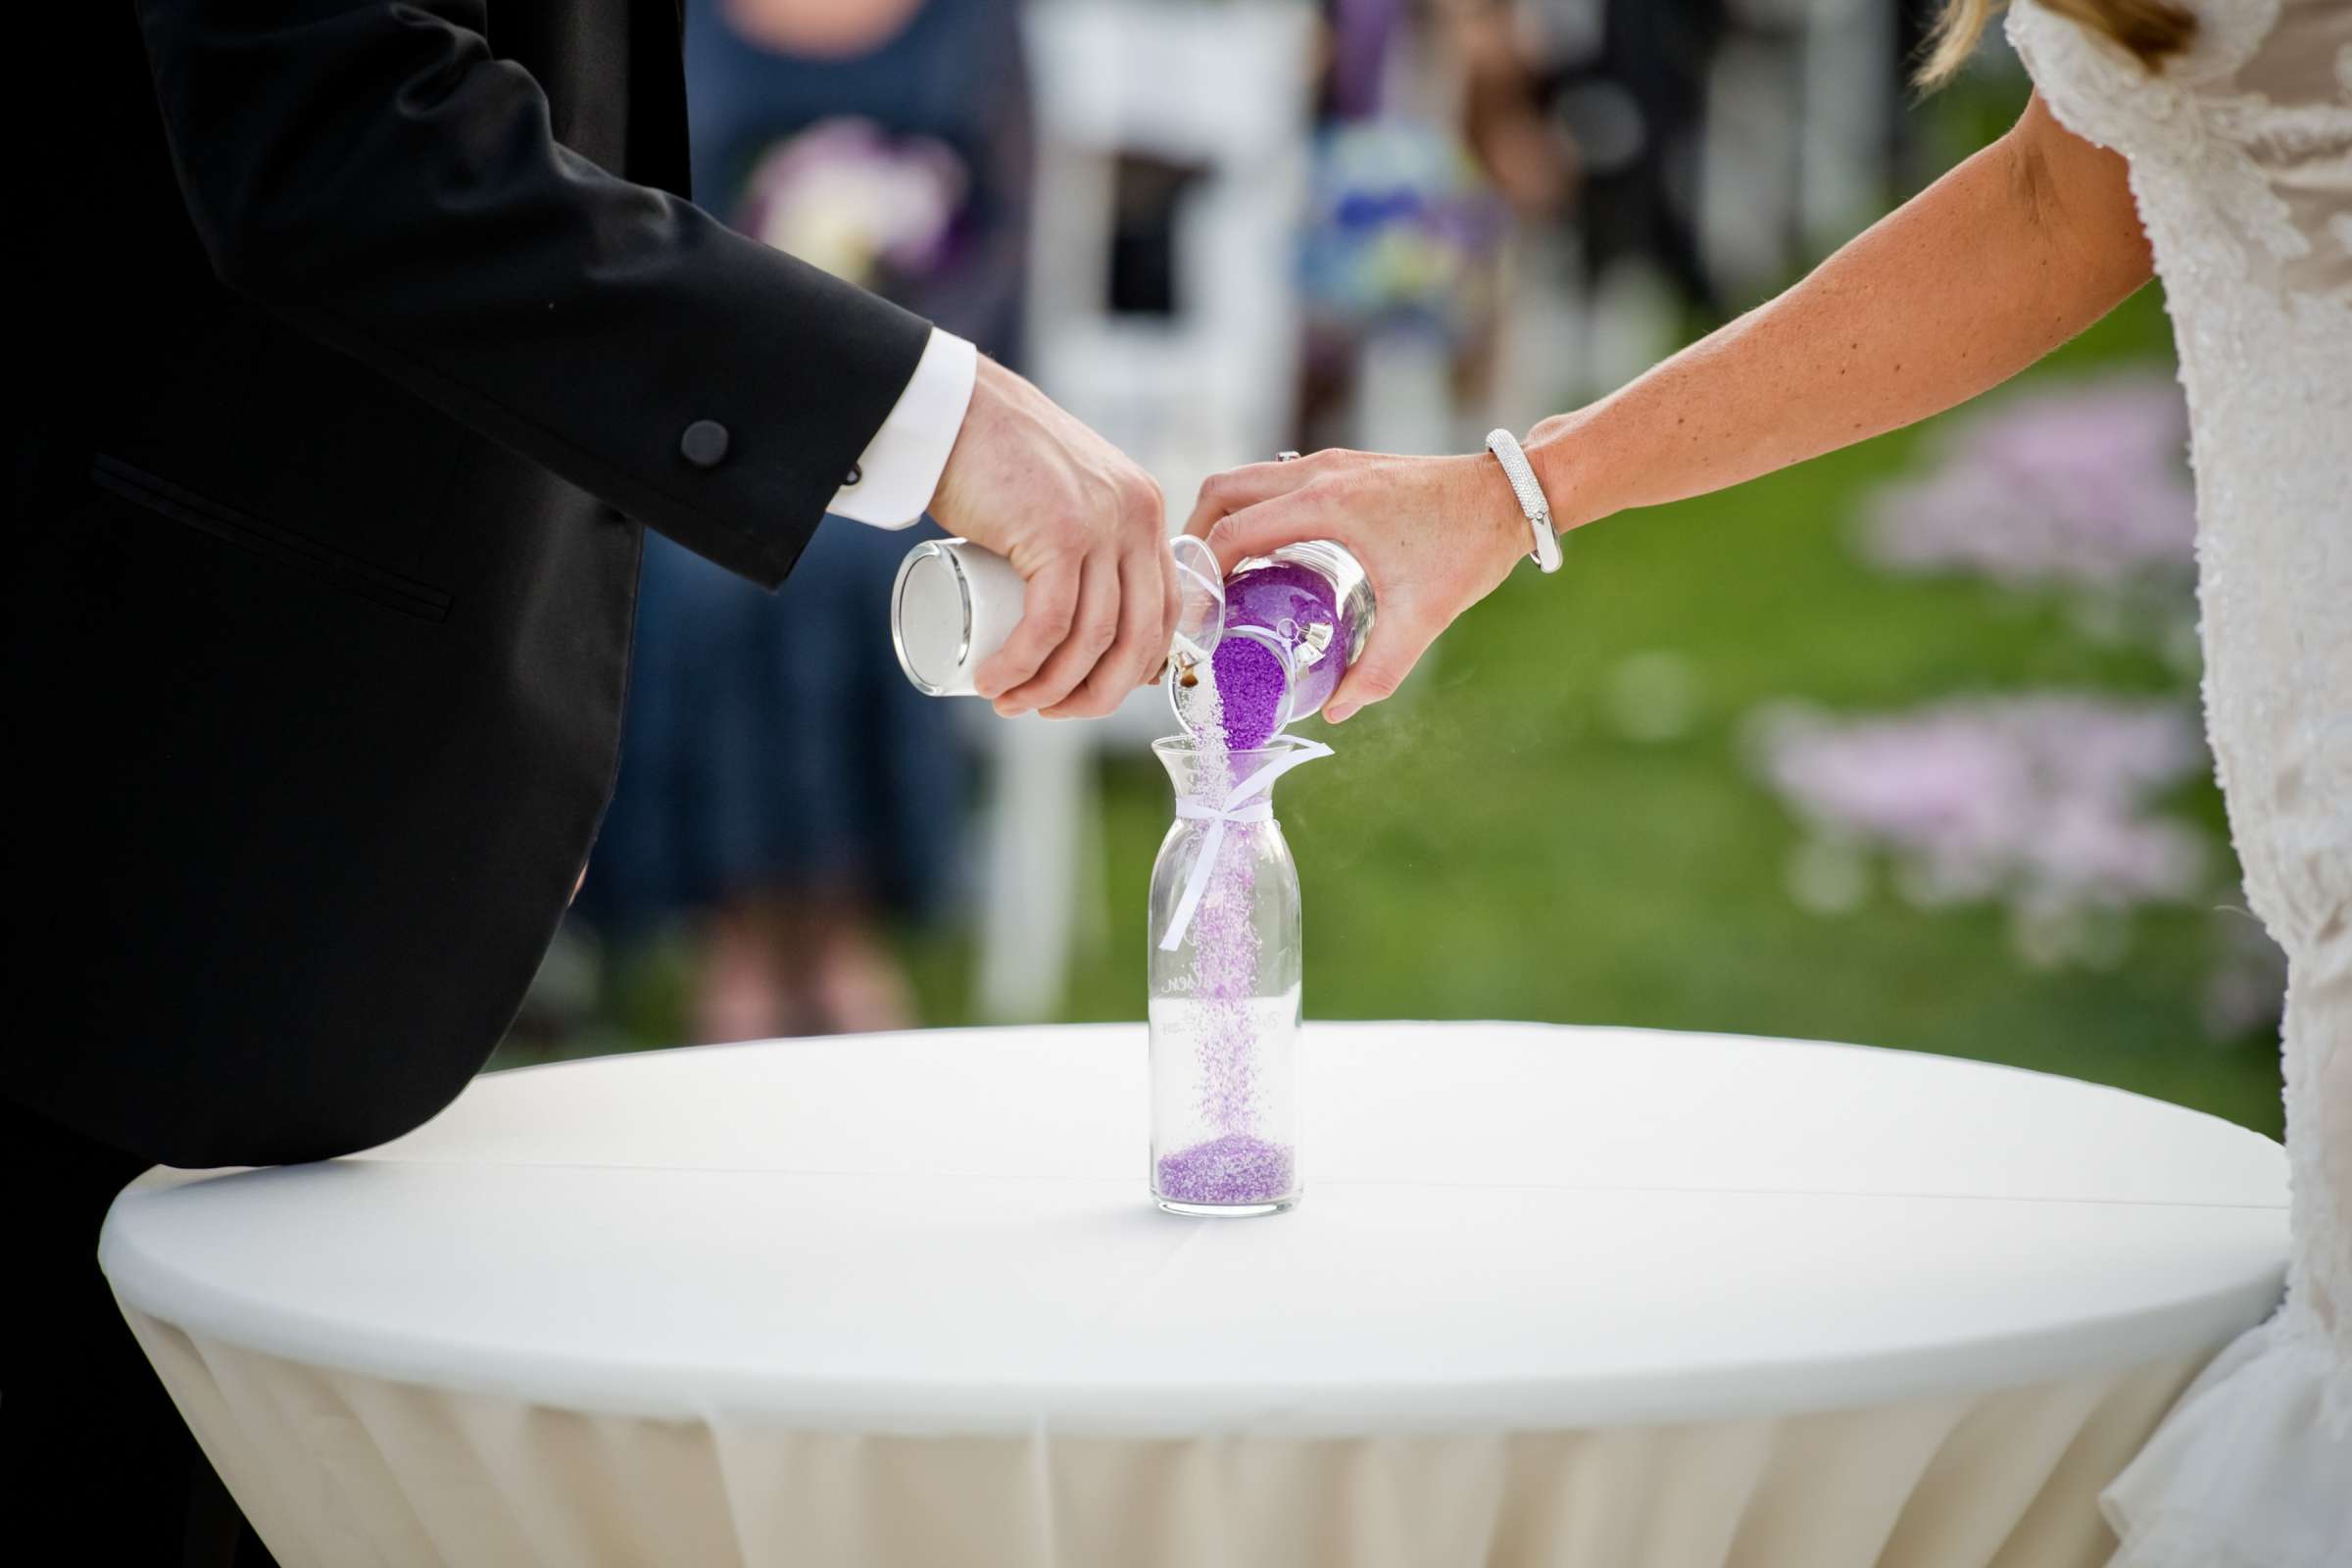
<point>1574,1296</point>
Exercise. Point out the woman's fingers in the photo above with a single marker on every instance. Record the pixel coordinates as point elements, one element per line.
<point>1287,520</point>
<point>1048,607</point>
<point>1249,485</point>
<point>1093,626</point>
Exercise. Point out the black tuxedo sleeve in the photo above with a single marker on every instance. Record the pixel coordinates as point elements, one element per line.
<point>368,170</point>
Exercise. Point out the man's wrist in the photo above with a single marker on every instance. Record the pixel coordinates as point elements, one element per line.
<point>895,478</point>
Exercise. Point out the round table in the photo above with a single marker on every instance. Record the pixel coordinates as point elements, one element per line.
<point>1582,1297</point>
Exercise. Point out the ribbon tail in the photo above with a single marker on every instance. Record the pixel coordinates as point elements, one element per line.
<point>1212,844</point>
<point>1262,780</point>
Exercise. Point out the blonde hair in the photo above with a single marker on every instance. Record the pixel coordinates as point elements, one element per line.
<point>2153,30</point>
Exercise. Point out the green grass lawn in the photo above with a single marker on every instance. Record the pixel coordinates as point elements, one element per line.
<point>1493,845</point>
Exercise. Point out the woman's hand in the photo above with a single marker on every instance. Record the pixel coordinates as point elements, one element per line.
<point>1435,535</point>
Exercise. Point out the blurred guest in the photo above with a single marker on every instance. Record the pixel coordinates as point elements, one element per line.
<point>1506,115</point>
<point>783,787</point>
<point>1404,228</point>
<point>1628,80</point>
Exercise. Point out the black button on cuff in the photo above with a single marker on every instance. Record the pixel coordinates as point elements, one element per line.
<point>704,444</point>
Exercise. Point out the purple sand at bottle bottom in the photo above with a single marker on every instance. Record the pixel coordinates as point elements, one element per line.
<point>1236,1168</point>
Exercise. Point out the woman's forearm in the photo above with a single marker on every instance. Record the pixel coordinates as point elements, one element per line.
<point>2001,261</point>
<point>2004,259</point>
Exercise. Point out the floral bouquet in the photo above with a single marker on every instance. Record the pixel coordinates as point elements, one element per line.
<point>875,209</point>
<point>1402,230</point>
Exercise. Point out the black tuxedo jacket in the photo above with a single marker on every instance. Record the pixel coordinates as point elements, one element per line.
<point>362,337</point>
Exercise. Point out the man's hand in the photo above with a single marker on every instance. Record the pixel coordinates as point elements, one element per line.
<point>1084,528</point>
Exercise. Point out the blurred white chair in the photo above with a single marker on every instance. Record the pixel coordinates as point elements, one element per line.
<point>1845,134</point>
<point>1796,159</point>
<point>1217,85</point>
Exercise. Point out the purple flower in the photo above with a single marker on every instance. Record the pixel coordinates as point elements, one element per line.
<point>2081,485</point>
<point>849,197</point>
<point>2044,801</point>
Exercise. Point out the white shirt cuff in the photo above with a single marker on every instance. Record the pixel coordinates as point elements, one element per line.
<point>899,471</point>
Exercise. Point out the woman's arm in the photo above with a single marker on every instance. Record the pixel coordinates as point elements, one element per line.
<point>2002,260</point>
<point>1998,262</point>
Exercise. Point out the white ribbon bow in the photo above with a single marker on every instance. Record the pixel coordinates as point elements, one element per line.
<point>1246,803</point>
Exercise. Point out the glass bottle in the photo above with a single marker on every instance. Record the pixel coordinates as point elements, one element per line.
<point>954,603</point>
<point>1293,623</point>
<point>1224,1012</point>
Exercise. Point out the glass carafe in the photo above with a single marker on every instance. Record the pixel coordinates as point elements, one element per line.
<point>1292,622</point>
<point>1224,1012</point>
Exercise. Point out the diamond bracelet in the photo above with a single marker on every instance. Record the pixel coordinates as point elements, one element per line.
<point>1515,468</point>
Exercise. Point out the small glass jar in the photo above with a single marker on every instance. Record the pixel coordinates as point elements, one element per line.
<point>1225,947</point>
<point>954,603</point>
<point>1293,623</point>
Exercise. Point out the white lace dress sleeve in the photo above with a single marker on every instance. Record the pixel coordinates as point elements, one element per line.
<point>2240,155</point>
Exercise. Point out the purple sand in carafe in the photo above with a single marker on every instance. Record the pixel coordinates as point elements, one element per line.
<point>1291,627</point>
<point>1235,1168</point>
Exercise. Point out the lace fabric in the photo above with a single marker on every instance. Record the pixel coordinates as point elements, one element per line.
<point>2240,155</point>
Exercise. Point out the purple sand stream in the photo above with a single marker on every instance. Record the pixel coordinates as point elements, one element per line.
<point>1236,1168</point>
